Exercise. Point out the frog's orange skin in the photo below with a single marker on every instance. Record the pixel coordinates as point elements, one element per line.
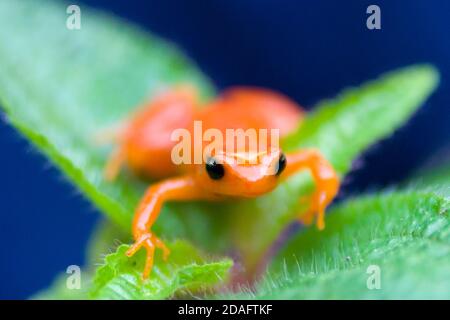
<point>145,146</point>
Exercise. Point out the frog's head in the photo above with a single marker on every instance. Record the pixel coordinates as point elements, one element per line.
<point>247,174</point>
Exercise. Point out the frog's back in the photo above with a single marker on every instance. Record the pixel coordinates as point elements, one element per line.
<point>147,140</point>
<point>146,143</point>
<point>246,107</point>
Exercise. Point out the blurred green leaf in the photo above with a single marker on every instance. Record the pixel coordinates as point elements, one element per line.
<point>104,240</point>
<point>58,290</point>
<point>185,270</point>
<point>434,176</point>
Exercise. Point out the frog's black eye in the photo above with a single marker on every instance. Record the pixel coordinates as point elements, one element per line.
<point>215,170</point>
<point>281,164</point>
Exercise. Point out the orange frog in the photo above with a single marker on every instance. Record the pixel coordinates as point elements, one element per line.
<point>145,145</point>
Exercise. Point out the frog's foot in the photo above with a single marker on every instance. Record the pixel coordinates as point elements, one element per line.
<point>316,210</point>
<point>114,164</point>
<point>319,201</point>
<point>325,178</point>
<point>307,217</point>
<point>149,241</point>
<point>112,135</point>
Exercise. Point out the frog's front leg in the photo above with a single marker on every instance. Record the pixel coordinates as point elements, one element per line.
<point>325,177</point>
<point>175,189</point>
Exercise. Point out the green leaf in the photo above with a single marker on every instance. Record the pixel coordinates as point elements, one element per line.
<point>342,129</point>
<point>104,240</point>
<point>365,225</point>
<point>434,176</point>
<point>186,270</point>
<point>59,290</point>
<point>406,234</point>
<point>186,273</point>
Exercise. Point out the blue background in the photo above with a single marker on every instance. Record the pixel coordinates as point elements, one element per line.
<point>308,50</point>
